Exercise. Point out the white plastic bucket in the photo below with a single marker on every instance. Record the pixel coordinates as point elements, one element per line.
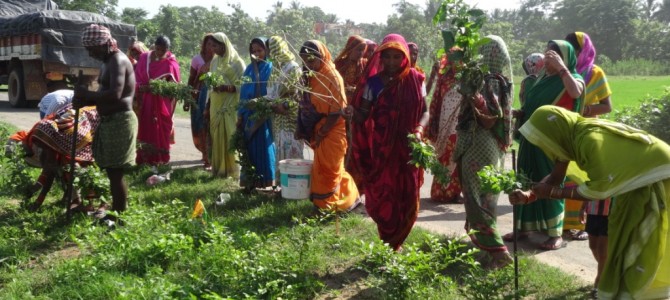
<point>295,177</point>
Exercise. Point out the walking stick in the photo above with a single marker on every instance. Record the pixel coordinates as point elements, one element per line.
<point>515,232</point>
<point>73,152</point>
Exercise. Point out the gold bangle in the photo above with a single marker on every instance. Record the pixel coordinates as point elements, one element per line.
<point>552,193</point>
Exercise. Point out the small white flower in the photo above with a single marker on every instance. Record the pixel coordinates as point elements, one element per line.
<point>551,118</point>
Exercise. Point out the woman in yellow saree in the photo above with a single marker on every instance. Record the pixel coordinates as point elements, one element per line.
<point>223,105</point>
<point>638,174</point>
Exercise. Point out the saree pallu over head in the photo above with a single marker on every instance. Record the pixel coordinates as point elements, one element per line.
<point>332,187</point>
<point>342,60</point>
<point>326,91</point>
<point>230,65</point>
<point>279,50</point>
<point>496,58</point>
<point>637,174</point>
<point>549,89</point>
<point>380,147</point>
<point>587,55</point>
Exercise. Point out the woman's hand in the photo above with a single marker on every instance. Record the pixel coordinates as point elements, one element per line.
<point>542,190</point>
<point>279,108</point>
<point>519,197</point>
<point>226,88</point>
<point>347,112</point>
<point>553,62</point>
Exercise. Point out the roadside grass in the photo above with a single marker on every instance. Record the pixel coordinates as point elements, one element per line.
<point>252,246</point>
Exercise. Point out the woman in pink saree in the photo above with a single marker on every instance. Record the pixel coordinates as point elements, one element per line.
<point>155,120</point>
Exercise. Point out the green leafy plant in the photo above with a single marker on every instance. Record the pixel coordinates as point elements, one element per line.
<point>405,275</point>
<point>212,79</point>
<point>173,90</point>
<point>92,182</point>
<point>461,27</point>
<point>16,176</point>
<point>423,156</point>
<point>495,181</point>
<point>651,115</point>
<point>238,144</point>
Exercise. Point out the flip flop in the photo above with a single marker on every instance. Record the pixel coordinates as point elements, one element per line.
<point>580,236</point>
<point>553,246</point>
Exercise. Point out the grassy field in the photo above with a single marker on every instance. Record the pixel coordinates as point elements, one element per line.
<point>253,247</point>
<point>626,90</point>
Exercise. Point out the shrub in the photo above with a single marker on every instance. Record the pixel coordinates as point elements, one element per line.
<point>651,115</point>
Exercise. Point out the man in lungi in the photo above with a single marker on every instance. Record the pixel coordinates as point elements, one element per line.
<point>114,141</point>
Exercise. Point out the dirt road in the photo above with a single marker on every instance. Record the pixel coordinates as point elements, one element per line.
<point>575,258</point>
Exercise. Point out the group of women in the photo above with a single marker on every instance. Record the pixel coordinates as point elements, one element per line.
<point>357,111</point>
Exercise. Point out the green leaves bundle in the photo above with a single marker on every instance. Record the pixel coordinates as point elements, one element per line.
<point>172,90</point>
<point>212,79</point>
<point>495,181</point>
<point>423,156</point>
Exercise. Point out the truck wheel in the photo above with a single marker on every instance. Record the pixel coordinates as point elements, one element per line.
<point>15,91</point>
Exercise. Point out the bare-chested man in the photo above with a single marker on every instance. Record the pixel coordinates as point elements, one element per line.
<point>114,141</point>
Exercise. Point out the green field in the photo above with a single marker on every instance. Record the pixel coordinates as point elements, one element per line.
<point>626,90</point>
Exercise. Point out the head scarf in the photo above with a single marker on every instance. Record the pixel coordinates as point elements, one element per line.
<point>138,47</point>
<point>98,35</point>
<point>279,50</point>
<point>231,64</point>
<point>587,55</point>
<point>391,41</point>
<point>318,49</point>
<point>549,89</point>
<point>494,55</point>
<point>413,45</point>
<point>372,46</point>
<point>261,41</point>
<point>352,43</point>
<point>533,63</point>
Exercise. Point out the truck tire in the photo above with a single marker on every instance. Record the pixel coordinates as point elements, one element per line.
<point>15,88</point>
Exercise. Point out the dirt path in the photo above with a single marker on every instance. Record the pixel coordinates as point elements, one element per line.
<point>575,258</point>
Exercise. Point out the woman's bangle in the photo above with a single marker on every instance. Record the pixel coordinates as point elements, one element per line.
<point>418,128</point>
<point>531,198</point>
<point>572,194</point>
<point>552,194</point>
<point>587,110</point>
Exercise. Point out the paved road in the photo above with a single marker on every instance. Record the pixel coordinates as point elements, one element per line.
<point>576,258</point>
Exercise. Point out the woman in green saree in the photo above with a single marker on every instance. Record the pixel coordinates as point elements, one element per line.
<point>638,174</point>
<point>557,84</point>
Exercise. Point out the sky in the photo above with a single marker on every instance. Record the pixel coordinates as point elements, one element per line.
<point>367,11</point>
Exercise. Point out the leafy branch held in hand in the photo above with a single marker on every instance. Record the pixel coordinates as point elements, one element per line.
<point>494,180</point>
<point>423,156</point>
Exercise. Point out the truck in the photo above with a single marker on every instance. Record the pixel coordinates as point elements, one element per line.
<point>40,43</point>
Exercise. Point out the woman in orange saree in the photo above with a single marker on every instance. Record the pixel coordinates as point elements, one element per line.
<point>321,123</point>
<point>390,105</point>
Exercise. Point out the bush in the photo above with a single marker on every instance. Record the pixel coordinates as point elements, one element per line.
<point>651,115</point>
<point>632,67</point>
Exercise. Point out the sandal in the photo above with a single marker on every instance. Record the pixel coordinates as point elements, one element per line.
<point>580,236</point>
<point>553,243</point>
<point>520,236</point>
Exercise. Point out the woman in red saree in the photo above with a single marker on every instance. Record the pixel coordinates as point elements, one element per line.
<point>321,123</point>
<point>389,105</point>
<point>155,119</point>
<point>350,63</point>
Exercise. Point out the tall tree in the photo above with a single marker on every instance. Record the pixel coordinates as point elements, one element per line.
<point>134,15</point>
<point>648,8</point>
<point>103,7</point>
